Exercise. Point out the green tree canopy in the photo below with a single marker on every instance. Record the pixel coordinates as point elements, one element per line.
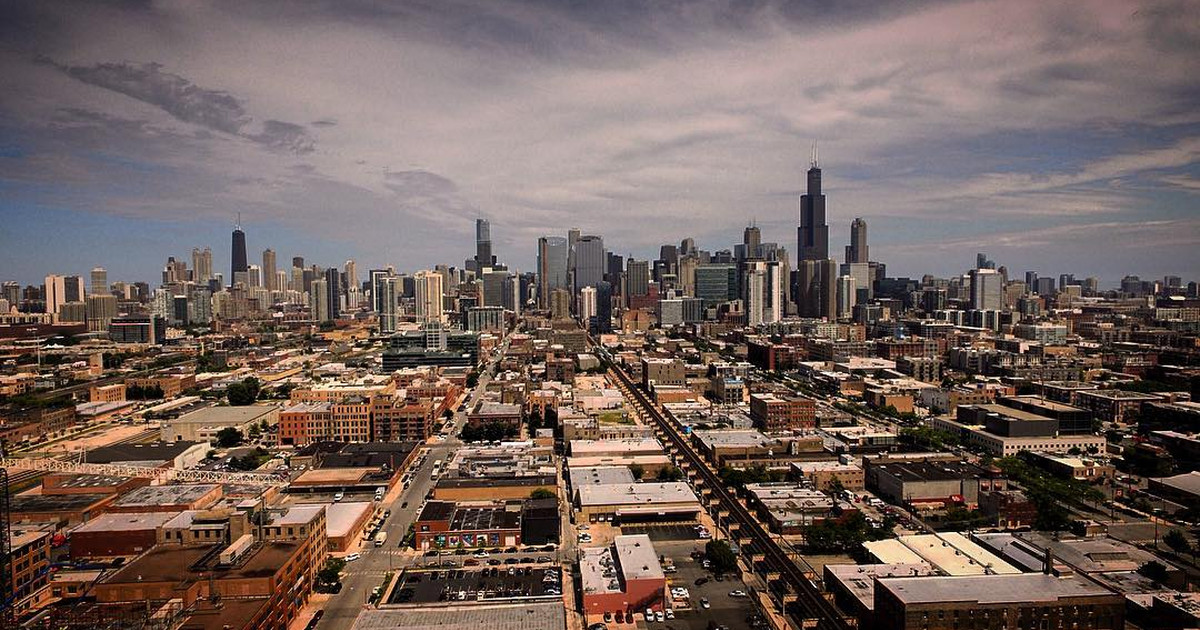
<point>721,557</point>
<point>229,437</point>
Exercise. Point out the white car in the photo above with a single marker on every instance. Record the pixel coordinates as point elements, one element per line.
<point>737,593</point>
<point>670,614</point>
<point>658,615</point>
<point>480,554</point>
<point>352,557</point>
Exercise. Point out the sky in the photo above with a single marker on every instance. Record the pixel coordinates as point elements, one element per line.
<point>1056,137</point>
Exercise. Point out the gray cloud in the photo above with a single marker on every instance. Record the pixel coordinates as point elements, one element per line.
<point>213,109</point>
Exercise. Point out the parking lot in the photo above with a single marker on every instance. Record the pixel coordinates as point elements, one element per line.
<point>484,584</point>
<point>732,612</point>
<point>672,532</point>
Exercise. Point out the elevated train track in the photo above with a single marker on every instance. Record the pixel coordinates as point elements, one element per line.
<point>762,547</point>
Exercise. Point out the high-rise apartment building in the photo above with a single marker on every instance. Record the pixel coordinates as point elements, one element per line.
<point>333,290</point>
<point>552,267</point>
<point>318,301</point>
<point>99,278</point>
<point>61,290</point>
<point>587,304</point>
<point>202,264</point>
<point>857,251</point>
<point>268,270</point>
<point>388,301</point>
<point>254,277</point>
<point>846,296</point>
<point>429,292</point>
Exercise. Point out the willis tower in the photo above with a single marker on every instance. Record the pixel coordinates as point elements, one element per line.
<point>813,232</point>
<point>237,271</point>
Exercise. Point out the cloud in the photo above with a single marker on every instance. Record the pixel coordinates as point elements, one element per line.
<point>213,109</point>
<point>644,122</point>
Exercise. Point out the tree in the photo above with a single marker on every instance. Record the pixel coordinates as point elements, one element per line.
<point>243,393</point>
<point>721,557</point>
<point>229,437</point>
<point>1178,541</point>
<point>329,573</point>
<point>637,470</point>
<point>472,379</point>
<point>542,493</point>
<point>669,473</point>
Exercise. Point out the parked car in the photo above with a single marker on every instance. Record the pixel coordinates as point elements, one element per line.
<point>352,557</point>
<point>737,593</point>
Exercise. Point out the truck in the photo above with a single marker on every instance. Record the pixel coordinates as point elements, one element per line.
<point>380,539</point>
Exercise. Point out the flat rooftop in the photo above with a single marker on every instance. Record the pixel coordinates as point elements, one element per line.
<point>87,481</point>
<point>539,616</point>
<point>650,494</point>
<point>892,551</point>
<point>595,475</point>
<point>859,579</point>
<point>224,415</point>
<point>637,557</point>
<point>990,589</point>
<point>585,448</point>
<point>131,521</point>
<point>733,438</point>
<point>341,516</point>
<point>158,451</point>
<point>22,503</point>
<point>298,515</point>
<point>179,494</point>
<point>931,470</point>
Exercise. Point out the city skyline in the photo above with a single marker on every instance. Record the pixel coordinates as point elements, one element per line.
<point>1036,149</point>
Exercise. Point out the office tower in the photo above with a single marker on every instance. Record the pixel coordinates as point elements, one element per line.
<point>162,305</point>
<point>483,245</point>
<point>846,296</point>
<point>587,304</point>
<point>1091,286</point>
<point>99,280</point>
<point>318,300</point>
<point>11,291</point>
<point>856,251</point>
<point>861,272</point>
<point>552,256</point>
<point>375,279</point>
<point>560,304</point>
<point>333,289</point>
<point>281,280</point>
<point>237,259</point>
<point>813,232</point>
<point>202,268</point>
<point>510,293</point>
<point>752,239</point>
<point>1045,286</point>
<point>298,279</point>
<point>589,261</point>
<point>1065,280</point>
<point>637,277</point>
<point>687,274</point>
<point>817,288</point>
<point>615,274</point>
<point>669,257</point>
<point>55,293</point>
<point>298,261</point>
<point>983,262</point>
<point>1031,279</point>
<point>716,283</point>
<point>428,288</point>
<point>493,288</point>
<point>199,305</point>
<point>386,296</point>
<point>602,324</point>
<point>268,270</point>
<point>774,302</point>
<point>254,276</point>
<point>987,290</point>
<point>687,247</point>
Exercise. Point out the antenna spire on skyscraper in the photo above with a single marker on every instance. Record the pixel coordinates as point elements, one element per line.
<point>814,154</point>
<point>238,226</point>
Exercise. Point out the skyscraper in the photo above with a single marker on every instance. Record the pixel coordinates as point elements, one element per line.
<point>637,277</point>
<point>202,264</point>
<point>987,290</point>
<point>238,256</point>
<point>318,301</point>
<point>752,239</point>
<point>333,288</point>
<point>587,305</point>
<point>856,251</point>
<point>589,261</point>
<point>99,279</point>
<point>428,289</point>
<point>388,300</point>
<point>817,288</point>
<point>483,245</point>
<point>813,232</point>
<point>602,323</point>
<point>551,267</point>
<point>268,270</point>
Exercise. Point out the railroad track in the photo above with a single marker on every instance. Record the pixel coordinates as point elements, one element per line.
<point>808,596</point>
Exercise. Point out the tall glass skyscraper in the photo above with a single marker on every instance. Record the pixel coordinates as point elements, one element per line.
<point>552,256</point>
<point>238,255</point>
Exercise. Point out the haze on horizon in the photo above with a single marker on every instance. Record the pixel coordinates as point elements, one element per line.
<point>1058,137</point>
